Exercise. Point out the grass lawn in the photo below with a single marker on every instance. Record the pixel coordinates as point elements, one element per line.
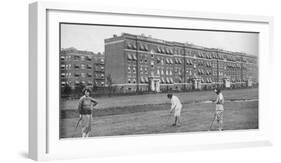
<point>154,119</point>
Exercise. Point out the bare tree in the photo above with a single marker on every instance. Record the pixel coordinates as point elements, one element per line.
<point>109,83</point>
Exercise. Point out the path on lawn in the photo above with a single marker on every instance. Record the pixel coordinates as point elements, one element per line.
<point>161,98</point>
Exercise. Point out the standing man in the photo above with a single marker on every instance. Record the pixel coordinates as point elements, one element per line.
<point>176,106</point>
<point>85,107</point>
<point>219,108</point>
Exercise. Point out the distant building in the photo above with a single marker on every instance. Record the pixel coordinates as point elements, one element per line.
<point>81,68</point>
<point>140,63</point>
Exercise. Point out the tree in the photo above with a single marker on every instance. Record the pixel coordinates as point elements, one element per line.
<point>67,90</point>
<point>109,83</point>
<point>79,88</point>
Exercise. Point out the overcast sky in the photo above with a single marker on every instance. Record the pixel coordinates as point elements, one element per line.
<point>91,37</point>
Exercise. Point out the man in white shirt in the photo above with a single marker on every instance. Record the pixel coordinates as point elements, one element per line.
<point>219,108</point>
<point>176,106</point>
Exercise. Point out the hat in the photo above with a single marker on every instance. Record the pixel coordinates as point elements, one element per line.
<point>169,95</point>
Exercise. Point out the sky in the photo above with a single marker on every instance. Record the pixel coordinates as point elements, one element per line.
<point>91,37</point>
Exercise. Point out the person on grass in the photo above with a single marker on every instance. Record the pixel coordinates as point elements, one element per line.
<point>176,106</point>
<point>219,108</point>
<point>85,108</point>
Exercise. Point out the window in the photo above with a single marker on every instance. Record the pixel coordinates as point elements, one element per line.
<point>90,82</point>
<point>171,61</point>
<point>129,56</point>
<point>167,61</point>
<point>167,80</point>
<point>180,61</point>
<point>76,74</point>
<point>129,46</point>
<point>171,80</point>
<point>145,70</point>
<point>171,51</point>
<point>134,45</point>
<point>63,83</point>
<point>62,58</point>
<point>146,79</point>
<point>163,80</point>
<point>89,58</point>
<point>142,79</point>
<point>158,60</point>
<point>146,47</point>
<point>176,60</point>
<point>145,58</point>
<point>162,50</point>
<point>76,57</point>
<point>76,66</point>
<point>89,66</point>
<point>83,66</point>
<point>180,80</point>
<point>134,56</point>
<point>187,61</point>
<point>134,70</point>
<point>158,50</point>
<point>83,75</point>
<point>141,47</point>
<point>69,66</point>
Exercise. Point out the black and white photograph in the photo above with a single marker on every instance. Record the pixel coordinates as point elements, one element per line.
<point>120,80</point>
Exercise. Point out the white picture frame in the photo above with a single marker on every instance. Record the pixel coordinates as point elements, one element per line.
<point>44,142</point>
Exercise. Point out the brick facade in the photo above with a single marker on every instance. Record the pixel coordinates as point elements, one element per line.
<point>133,61</point>
<point>81,68</point>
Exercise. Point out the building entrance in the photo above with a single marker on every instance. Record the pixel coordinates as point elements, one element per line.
<point>154,84</point>
<point>227,83</point>
<point>197,83</point>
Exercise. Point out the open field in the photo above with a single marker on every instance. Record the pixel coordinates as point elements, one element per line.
<point>151,117</point>
<point>195,117</point>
